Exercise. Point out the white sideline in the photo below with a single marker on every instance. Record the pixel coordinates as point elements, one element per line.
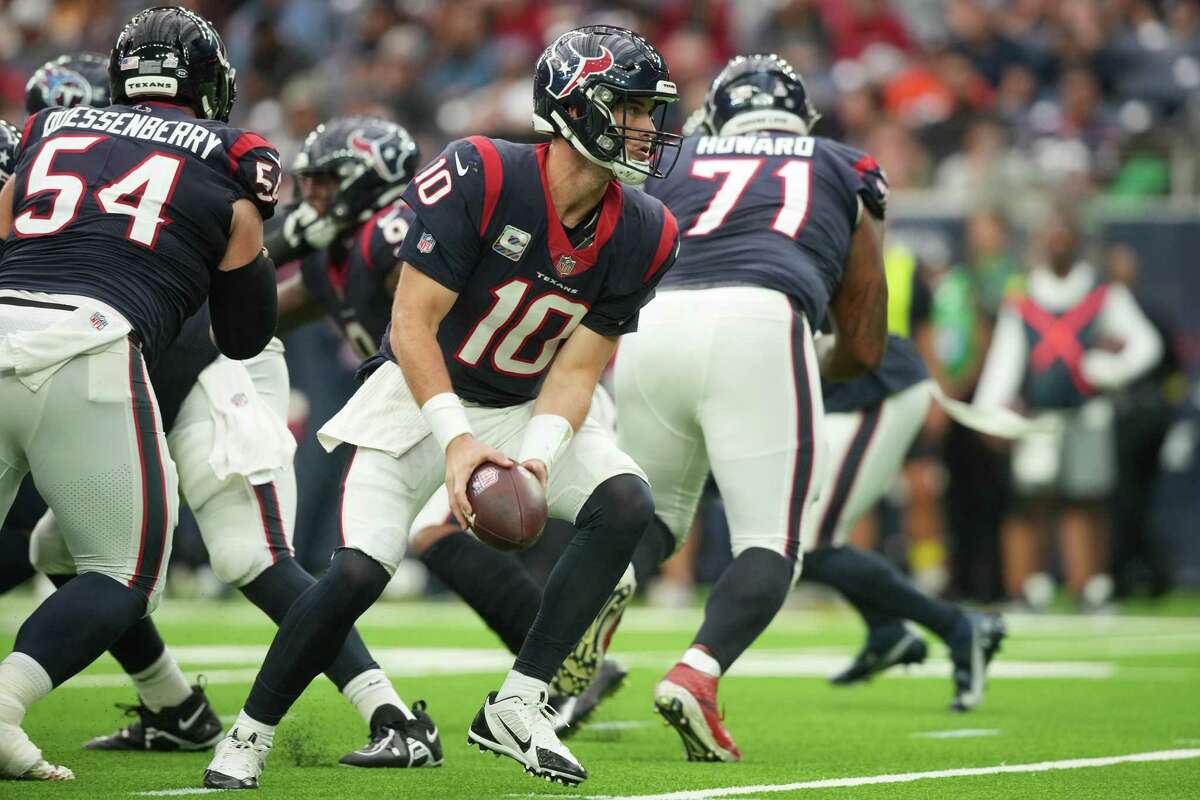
<point>904,777</point>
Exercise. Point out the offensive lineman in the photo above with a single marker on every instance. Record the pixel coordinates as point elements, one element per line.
<point>517,252</point>
<point>225,432</point>
<point>777,228</point>
<point>93,284</point>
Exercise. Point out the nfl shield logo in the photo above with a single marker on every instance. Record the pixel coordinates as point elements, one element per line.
<point>565,266</point>
<point>425,243</point>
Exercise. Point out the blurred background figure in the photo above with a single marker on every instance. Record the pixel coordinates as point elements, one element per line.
<point>1061,348</point>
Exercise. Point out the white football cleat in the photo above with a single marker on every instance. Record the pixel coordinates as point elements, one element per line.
<point>20,758</point>
<point>523,730</point>
<point>237,762</point>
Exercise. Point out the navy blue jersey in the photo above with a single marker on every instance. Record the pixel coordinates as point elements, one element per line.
<point>353,278</point>
<point>486,228</point>
<point>770,209</point>
<point>131,206</point>
<point>902,367</point>
<point>173,374</point>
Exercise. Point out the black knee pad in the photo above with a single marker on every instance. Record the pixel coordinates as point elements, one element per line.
<point>359,579</point>
<point>622,505</point>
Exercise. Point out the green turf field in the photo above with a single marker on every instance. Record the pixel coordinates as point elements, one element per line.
<point>1065,688</point>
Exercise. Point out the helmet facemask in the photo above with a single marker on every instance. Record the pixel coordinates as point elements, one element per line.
<point>600,129</point>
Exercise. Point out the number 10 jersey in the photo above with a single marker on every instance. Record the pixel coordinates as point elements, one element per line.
<point>485,227</point>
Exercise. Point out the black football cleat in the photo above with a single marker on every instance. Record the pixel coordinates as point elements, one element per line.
<point>971,651</point>
<point>575,711</point>
<point>885,648</point>
<point>398,742</point>
<point>190,726</point>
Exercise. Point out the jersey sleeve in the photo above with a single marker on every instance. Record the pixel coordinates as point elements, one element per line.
<point>617,314</point>
<point>447,202</point>
<point>257,170</point>
<point>382,236</point>
<point>864,180</point>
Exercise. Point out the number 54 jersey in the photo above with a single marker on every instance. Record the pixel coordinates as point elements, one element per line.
<point>131,206</point>
<point>485,227</point>
<point>770,209</point>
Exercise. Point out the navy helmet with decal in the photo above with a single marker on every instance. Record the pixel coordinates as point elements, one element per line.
<point>759,92</point>
<point>372,158</point>
<point>74,79</point>
<point>10,143</point>
<point>581,86</point>
<point>174,54</point>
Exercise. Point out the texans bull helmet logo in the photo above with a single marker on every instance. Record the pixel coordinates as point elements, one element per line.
<point>569,73</point>
<point>387,150</point>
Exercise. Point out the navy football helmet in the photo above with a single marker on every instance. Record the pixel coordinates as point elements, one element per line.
<point>372,158</point>
<point>759,92</point>
<point>580,88</point>
<point>172,53</point>
<point>74,79</point>
<point>10,143</point>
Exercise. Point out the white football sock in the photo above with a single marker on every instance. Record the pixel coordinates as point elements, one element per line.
<point>162,684</point>
<point>23,682</point>
<point>246,725</point>
<point>522,686</point>
<point>371,689</point>
<point>701,661</point>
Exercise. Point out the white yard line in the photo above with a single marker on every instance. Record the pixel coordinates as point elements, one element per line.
<point>176,792</point>
<point>617,725</point>
<point>227,664</point>
<point>904,777</point>
<point>960,733</point>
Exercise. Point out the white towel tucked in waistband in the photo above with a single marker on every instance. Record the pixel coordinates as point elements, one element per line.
<point>249,438</point>
<point>381,415</point>
<point>35,355</point>
<point>1002,422</point>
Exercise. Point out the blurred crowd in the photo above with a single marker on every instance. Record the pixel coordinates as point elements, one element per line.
<point>982,100</point>
<point>996,110</point>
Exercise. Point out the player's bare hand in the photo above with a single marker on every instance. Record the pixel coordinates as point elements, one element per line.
<point>463,455</point>
<point>538,468</point>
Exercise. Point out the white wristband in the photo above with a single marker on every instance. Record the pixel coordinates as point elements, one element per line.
<point>446,417</point>
<point>546,436</point>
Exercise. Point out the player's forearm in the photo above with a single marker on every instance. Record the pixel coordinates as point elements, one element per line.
<point>416,347</point>
<point>567,393</point>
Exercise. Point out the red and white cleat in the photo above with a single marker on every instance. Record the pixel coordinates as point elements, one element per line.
<point>687,699</point>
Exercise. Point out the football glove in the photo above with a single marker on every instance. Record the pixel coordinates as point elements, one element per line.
<point>305,229</point>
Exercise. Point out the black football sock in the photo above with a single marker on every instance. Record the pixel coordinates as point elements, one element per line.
<point>278,587</point>
<point>15,568</point>
<point>610,525</point>
<point>869,580</point>
<point>77,623</point>
<point>656,546</point>
<point>743,602</point>
<point>817,566</point>
<point>495,585</point>
<point>313,632</point>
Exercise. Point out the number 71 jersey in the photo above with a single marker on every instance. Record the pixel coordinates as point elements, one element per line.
<point>131,206</point>
<point>485,227</point>
<point>770,209</point>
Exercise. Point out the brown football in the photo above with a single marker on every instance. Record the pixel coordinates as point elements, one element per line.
<point>509,506</point>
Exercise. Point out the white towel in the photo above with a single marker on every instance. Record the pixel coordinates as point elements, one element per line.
<point>381,415</point>
<point>249,438</point>
<point>35,355</point>
<point>995,421</point>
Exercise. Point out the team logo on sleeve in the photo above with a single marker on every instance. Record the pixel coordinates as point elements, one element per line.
<point>512,243</point>
<point>425,243</point>
<point>565,266</point>
<point>570,72</point>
